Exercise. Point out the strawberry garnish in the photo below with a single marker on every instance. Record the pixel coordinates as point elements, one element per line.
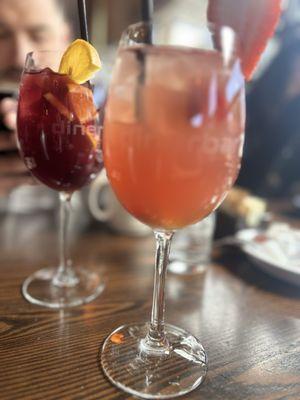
<point>254,22</point>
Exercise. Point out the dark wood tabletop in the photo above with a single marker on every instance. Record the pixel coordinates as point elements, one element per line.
<point>248,322</point>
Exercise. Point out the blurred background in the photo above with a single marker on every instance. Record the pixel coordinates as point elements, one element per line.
<point>271,164</point>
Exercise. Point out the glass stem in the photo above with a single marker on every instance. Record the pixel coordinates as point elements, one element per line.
<point>65,276</point>
<point>156,341</point>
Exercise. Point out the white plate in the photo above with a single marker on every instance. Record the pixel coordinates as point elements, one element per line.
<point>271,265</point>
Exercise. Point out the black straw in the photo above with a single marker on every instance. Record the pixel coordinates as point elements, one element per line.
<point>84,33</point>
<point>147,10</point>
<point>147,16</point>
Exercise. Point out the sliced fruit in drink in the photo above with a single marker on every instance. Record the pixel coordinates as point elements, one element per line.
<point>90,132</point>
<point>73,88</point>
<point>80,101</point>
<point>55,102</point>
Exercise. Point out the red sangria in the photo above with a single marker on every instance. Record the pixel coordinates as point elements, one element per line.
<point>58,131</point>
<point>59,140</point>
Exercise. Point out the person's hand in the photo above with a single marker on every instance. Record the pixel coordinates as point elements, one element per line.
<point>8,114</point>
<point>8,111</point>
<point>12,170</point>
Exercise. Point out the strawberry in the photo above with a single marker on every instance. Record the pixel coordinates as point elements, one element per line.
<point>254,22</point>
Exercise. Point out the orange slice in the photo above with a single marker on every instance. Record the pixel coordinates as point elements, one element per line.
<point>80,101</point>
<point>80,61</point>
<point>73,88</point>
<point>91,134</point>
<point>55,102</point>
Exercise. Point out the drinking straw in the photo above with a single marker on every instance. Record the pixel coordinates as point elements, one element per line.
<point>147,10</point>
<point>147,16</point>
<point>83,20</point>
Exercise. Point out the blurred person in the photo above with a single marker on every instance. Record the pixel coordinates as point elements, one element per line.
<point>271,163</point>
<point>25,26</point>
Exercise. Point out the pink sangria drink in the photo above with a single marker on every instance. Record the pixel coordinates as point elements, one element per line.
<point>172,160</point>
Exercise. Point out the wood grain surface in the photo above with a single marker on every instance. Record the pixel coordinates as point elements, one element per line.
<point>248,322</point>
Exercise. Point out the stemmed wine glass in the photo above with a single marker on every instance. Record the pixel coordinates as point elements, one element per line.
<point>173,139</point>
<point>59,141</point>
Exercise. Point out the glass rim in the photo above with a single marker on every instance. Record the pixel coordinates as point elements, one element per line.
<point>225,41</point>
<point>130,38</point>
<point>34,59</point>
<point>32,53</point>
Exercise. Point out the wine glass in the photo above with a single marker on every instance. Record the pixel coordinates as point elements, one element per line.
<point>173,139</point>
<point>59,140</point>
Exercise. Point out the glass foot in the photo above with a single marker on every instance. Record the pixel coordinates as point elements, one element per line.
<point>151,376</point>
<point>39,288</point>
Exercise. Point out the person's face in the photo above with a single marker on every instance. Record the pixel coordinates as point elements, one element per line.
<point>25,26</point>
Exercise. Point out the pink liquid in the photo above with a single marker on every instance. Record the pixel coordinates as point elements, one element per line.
<point>173,144</point>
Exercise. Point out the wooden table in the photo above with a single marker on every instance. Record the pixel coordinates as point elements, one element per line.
<point>248,322</point>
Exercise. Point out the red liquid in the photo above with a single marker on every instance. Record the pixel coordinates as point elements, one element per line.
<point>173,143</point>
<point>57,130</point>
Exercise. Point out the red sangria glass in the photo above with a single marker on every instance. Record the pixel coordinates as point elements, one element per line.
<point>59,140</point>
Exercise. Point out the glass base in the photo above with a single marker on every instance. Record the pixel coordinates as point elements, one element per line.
<point>39,288</point>
<point>175,372</point>
<point>183,268</point>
